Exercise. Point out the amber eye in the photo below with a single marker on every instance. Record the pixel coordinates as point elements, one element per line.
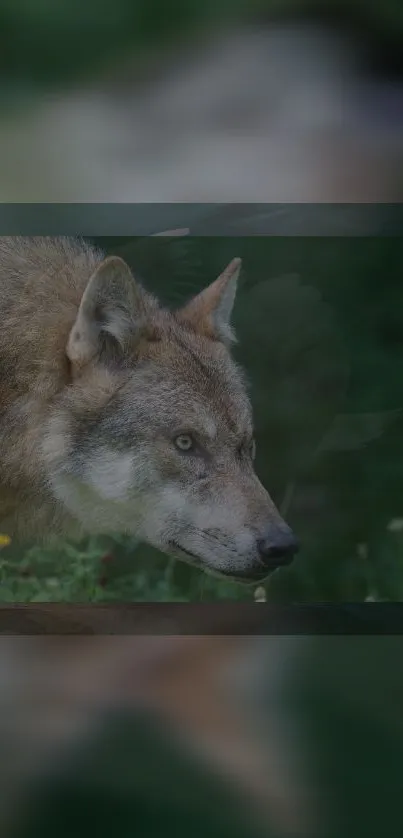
<point>184,442</point>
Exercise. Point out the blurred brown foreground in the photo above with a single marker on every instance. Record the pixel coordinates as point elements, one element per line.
<point>58,696</point>
<point>230,735</point>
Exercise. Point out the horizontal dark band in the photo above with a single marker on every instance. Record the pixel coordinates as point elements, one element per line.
<point>202,619</point>
<point>202,219</point>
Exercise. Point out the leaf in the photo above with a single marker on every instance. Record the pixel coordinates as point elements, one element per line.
<point>293,349</point>
<point>169,263</point>
<point>349,431</point>
<point>181,231</point>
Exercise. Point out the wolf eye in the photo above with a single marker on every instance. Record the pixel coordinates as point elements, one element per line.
<point>184,442</point>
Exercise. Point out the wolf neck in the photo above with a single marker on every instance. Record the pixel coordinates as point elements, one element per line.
<point>33,515</point>
<point>41,284</point>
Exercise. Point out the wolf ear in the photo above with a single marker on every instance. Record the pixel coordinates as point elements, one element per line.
<point>110,311</point>
<point>209,313</point>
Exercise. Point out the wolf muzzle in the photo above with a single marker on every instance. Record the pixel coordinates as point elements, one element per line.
<point>276,548</point>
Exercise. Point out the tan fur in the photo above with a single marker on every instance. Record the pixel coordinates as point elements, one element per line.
<point>97,380</point>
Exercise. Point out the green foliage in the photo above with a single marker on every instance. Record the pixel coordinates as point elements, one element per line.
<point>105,570</point>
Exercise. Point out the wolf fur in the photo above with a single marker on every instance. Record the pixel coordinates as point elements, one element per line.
<point>118,415</point>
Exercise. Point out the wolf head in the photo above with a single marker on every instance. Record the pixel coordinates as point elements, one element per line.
<point>154,435</point>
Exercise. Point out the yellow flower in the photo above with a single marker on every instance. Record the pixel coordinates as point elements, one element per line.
<point>5,540</point>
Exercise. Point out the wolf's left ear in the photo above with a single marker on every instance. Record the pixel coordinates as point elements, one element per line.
<point>110,311</point>
<point>209,313</point>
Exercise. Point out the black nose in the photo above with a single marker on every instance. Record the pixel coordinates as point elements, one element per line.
<point>277,547</point>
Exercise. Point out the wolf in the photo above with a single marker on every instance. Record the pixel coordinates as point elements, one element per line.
<point>118,415</point>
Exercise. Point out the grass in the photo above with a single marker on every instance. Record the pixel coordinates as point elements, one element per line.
<point>106,570</point>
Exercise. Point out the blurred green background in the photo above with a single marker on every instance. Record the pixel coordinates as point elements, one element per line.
<point>44,44</point>
<point>320,327</point>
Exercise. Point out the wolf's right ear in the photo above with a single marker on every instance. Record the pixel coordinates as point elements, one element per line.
<point>209,313</point>
<point>111,309</point>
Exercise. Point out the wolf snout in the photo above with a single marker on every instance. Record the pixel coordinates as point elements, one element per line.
<point>277,547</point>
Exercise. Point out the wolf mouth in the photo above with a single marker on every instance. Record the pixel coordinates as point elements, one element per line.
<point>246,577</point>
